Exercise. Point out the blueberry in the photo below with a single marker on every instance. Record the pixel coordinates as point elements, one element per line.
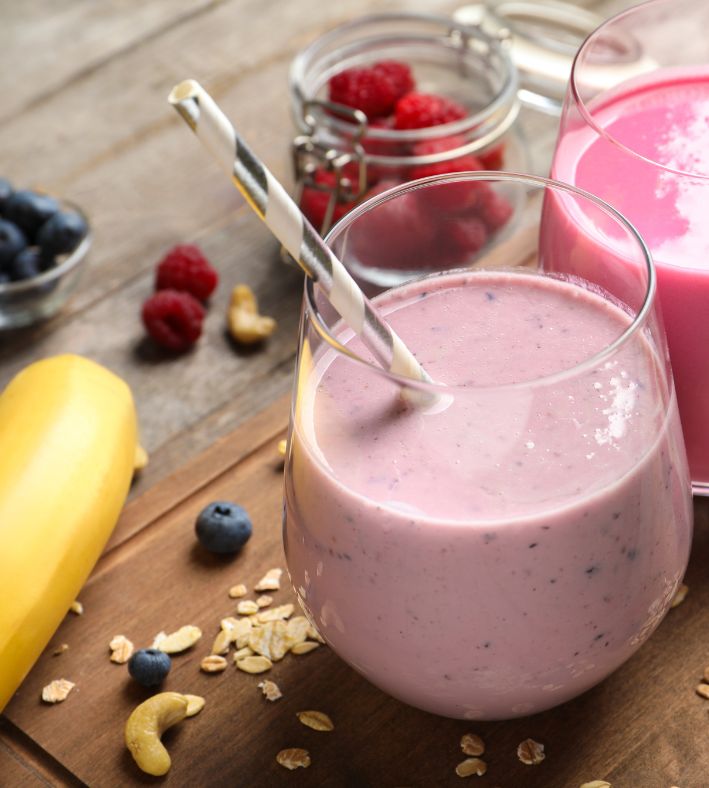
<point>61,233</point>
<point>12,242</point>
<point>25,265</point>
<point>149,666</point>
<point>5,192</point>
<point>29,210</point>
<point>223,527</point>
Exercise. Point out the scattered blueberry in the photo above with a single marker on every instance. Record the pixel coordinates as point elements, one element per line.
<point>5,192</point>
<point>25,265</point>
<point>61,233</point>
<point>12,242</point>
<point>223,527</point>
<point>29,210</point>
<point>149,666</point>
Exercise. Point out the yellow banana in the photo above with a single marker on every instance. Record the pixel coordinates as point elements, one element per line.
<point>68,439</point>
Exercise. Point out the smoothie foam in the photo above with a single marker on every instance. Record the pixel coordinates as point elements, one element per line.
<point>661,120</point>
<point>503,555</point>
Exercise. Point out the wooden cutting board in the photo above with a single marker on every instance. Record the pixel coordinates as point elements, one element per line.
<point>642,727</point>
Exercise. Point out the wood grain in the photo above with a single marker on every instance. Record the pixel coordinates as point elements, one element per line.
<point>641,727</point>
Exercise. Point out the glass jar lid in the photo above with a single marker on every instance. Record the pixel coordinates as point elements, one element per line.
<point>542,38</point>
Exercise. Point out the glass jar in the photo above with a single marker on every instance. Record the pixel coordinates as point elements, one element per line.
<point>340,156</point>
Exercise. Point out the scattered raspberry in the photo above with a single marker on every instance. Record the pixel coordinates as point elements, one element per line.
<point>185,268</point>
<point>313,202</point>
<point>374,89</point>
<point>173,319</point>
<point>493,158</point>
<point>494,210</point>
<point>421,110</point>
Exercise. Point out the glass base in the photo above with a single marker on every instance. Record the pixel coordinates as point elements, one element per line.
<point>700,489</point>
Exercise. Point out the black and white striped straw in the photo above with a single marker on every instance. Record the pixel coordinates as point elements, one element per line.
<point>282,216</point>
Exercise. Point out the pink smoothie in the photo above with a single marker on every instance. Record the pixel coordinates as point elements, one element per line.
<point>504,554</point>
<point>664,120</point>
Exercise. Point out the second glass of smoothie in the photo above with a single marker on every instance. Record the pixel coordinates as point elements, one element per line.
<point>635,131</point>
<point>496,542</point>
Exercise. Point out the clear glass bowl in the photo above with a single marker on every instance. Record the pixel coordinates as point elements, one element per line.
<point>32,300</point>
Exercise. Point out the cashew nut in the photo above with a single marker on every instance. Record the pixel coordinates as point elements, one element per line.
<point>146,725</point>
<point>246,325</point>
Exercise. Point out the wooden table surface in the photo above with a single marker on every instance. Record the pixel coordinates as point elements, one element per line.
<point>84,115</point>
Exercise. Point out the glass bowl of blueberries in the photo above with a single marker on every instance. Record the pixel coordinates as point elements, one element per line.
<point>43,247</point>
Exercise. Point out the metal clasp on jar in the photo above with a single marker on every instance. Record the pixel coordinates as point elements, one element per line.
<point>311,154</point>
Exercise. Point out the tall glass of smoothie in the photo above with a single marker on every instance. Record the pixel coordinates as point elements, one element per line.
<point>498,541</point>
<point>635,131</point>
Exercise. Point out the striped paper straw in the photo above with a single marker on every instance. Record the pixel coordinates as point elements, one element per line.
<point>282,216</point>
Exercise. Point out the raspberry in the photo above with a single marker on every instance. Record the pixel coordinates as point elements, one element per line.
<point>173,319</point>
<point>373,89</point>
<point>398,74</point>
<point>421,110</point>
<point>396,235</point>
<point>449,197</point>
<point>185,268</point>
<point>463,238</point>
<point>494,210</point>
<point>493,158</point>
<point>313,202</point>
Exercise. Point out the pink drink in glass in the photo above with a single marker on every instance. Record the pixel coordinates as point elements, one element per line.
<point>663,118</point>
<point>501,555</point>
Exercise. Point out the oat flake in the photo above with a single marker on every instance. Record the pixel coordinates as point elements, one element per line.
<point>270,690</point>
<point>472,744</point>
<point>317,720</point>
<point>57,691</point>
<point>271,581</point>
<point>121,649</point>
<point>471,766</point>
<point>530,752</point>
<point>293,757</point>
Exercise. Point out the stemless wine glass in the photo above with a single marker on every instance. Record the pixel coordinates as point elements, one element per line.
<point>503,540</point>
<point>635,131</point>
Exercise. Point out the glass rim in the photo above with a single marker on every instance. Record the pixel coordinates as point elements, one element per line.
<point>506,96</point>
<point>582,107</point>
<point>316,320</point>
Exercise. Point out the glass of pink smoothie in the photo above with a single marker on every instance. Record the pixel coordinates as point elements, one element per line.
<point>504,539</point>
<point>635,131</point>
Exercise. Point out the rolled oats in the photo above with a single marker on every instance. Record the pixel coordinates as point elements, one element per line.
<point>179,641</point>
<point>270,690</point>
<point>530,752</point>
<point>294,757</point>
<point>471,766</point>
<point>271,581</point>
<point>703,690</point>
<point>255,664</point>
<point>472,744</point>
<point>596,784</point>
<point>297,629</point>
<point>60,649</point>
<point>247,607</point>
<point>242,652</point>
<point>304,648</point>
<point>264,600</point>
<point>680,596</point>
<point>313,634</point>
<point>57,691</point>
<point>276,613</point>
<point>270,640</point>
<point>121,649</point>
<point>237,591</point>
<point>317,720</point>
<point>222,641</point>
<point>213,664</point>
<point>195,704</point>
<point>77,608</point>
<point>282,446</point>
